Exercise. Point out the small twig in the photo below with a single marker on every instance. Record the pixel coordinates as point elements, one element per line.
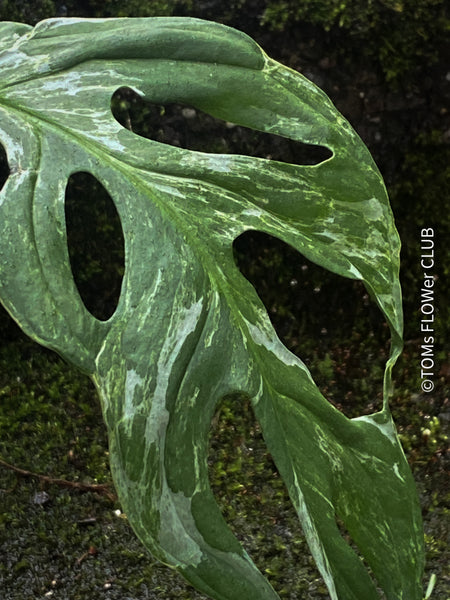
<point>92,551</point>
<point>99,488</point>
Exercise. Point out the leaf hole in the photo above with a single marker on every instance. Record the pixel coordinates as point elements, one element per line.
<point>352,544</point>
<point>187,127</point>
<point>255,502</point>
<point>95,243</point>
<point>4,166</point>
<point>328,321</point>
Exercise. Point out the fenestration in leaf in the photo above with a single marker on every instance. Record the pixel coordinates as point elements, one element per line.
<point>189,328</point>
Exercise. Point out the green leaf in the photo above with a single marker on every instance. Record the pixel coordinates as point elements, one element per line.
<point>189,329</point>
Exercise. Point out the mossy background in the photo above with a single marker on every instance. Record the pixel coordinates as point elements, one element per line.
<point>385,66</point>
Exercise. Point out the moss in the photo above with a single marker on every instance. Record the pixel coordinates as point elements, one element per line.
<point>32,12</point>
<point>23,11</point>
<point>403,36</point>
<point>131,8</point>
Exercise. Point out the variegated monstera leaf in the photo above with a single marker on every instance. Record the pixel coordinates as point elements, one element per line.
<point>189,329</point>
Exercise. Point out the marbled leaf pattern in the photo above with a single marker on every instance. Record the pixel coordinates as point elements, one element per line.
<point>189,329</point>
